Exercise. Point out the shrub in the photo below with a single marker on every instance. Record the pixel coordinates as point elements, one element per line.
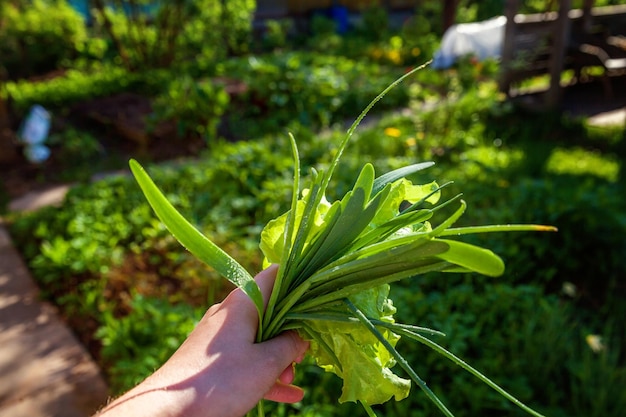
<point>276,33</point>
<point>505,331</point>
<point>195,105</point>
<point>37,37</point>
<point>135,345</point>
<point>171,33</point>
<point>314,90</point>
<point>78,85</point>
<point>587,249</point>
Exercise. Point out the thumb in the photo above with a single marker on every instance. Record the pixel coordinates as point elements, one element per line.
<point>282,350</point>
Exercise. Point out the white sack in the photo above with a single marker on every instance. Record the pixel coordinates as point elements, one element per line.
<point>481,39</point>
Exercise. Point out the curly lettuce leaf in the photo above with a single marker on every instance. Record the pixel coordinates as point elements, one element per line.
<point>272,236</point>
<point>350,351</point>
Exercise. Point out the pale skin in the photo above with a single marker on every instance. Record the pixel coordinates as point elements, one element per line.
<point>219,371</point>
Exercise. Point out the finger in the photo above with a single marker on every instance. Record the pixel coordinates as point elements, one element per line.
<point>245,310</point>
<point>284,393</point>
<point>286,377</point>
<point>281,351</point>
<point>213,309</point>
<point>265,280</point>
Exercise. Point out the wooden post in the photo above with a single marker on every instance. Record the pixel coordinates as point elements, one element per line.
<point>560,38</point>
<point>449,13</point>
<point>508,46</point>
<point>587,17</point>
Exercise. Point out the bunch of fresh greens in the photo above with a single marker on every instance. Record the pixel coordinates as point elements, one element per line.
<point>336,261</point>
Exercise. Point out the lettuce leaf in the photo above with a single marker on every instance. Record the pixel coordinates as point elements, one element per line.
<point>350,351</point>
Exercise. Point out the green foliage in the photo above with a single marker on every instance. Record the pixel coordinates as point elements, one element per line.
<point>196,106</point>
<point>169,33</point>
<point>579,161</point>
<point>135,345</point>
<point>39,36</point>
<point>505,331</point>
<point>78,151</point>
<point>374,23</point>
<point>236,24</point>
<point>314,90</point>
<point>78,85</point>
<point>587,249</point>
<point>442,130</point>
<point>276,33</point>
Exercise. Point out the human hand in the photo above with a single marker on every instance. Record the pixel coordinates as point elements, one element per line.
<point>219,371</point>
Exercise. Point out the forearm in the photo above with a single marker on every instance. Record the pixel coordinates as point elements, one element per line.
<point>169,393</point>
<point>219,371</point>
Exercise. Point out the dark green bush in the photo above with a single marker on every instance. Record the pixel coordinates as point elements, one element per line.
<point>196,106</point>
<point>168,34</point>
<point>80,85</point>
<point>531,344</point>
<point>138,343</point>
<point>38,36</point>
<point>314,90</point>
<point>78,150</point>
<point>588,248</point>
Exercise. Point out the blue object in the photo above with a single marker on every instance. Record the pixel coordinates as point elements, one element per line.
<point>340,15</point>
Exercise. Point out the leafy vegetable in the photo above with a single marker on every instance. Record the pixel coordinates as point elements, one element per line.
<point>336,263</point>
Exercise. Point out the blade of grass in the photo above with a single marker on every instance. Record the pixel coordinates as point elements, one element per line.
<point>399,358</point>
<point>472,257</point>
<point>358,120</point>
<point>396,174</point>
<point>194,241</point>
<point>366,284</point>
<point>458,231</point>
<point>460,362</point>
<point>288,236</point>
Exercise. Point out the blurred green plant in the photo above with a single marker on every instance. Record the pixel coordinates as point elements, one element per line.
<point>39,36</point>
<point>75,85</point>
<point>136,344</point>
<point>276,33</point>
<point>311,89</point>
<point>161,34</point>
<point>77,150</point>
<point>578,161</point>
<point>505,331</point>
<point>196,106</point>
